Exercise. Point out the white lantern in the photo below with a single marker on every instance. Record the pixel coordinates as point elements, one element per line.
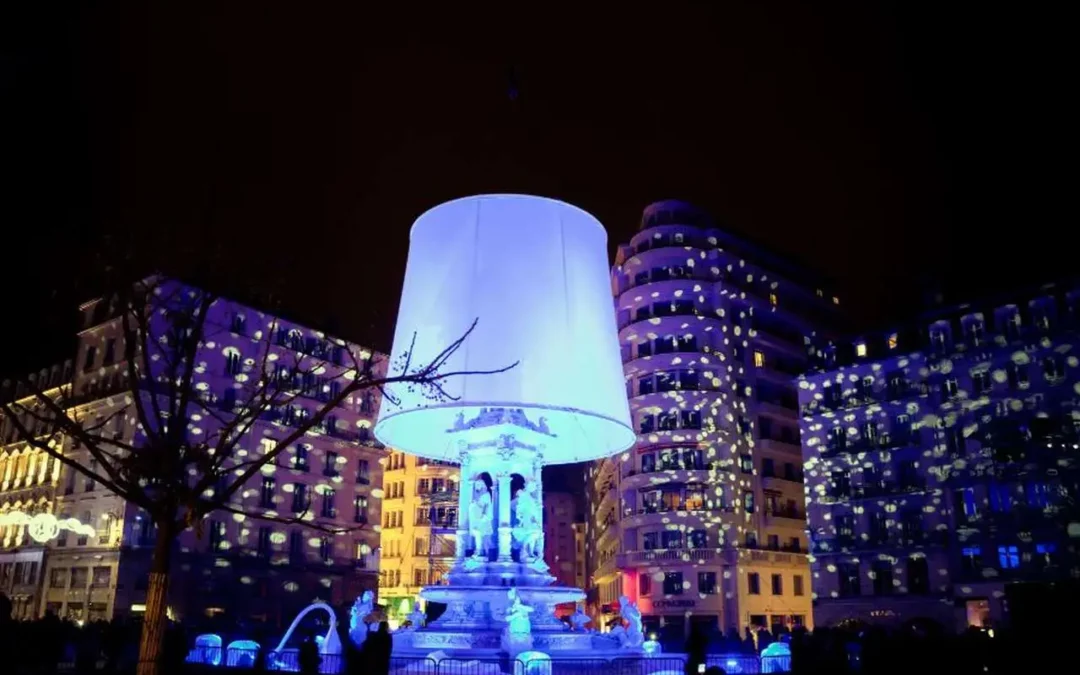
<point>533,273</point>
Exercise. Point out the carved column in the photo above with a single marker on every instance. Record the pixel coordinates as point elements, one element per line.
<point>538,477</point>
<point>504,516</point>
<point>464,499</point>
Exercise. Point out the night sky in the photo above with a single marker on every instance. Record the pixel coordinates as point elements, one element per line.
<point>286,148</point>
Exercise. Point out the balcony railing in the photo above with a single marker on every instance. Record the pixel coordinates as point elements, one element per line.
<point>666,555</point>
<point>794,477</point>
<point>895,541</point>
<point>873,491</point>
<point>866,397</point>
<point>886,441</point>
<point>786,512</point>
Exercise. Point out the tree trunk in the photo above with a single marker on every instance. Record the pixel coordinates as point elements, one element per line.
<point>155,619</point>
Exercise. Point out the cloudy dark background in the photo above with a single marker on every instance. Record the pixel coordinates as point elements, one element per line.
<point>894,147</point>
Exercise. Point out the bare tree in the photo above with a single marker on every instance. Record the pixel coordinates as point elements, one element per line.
<point>178,477</point>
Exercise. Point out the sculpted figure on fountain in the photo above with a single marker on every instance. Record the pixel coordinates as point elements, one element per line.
<point>481,519</point>
<point>529,531</point>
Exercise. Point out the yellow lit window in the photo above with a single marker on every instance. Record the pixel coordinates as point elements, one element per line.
<point>772,299</point>
<point>860,349</point>
<point>892,341</point>
<point>759,359</point>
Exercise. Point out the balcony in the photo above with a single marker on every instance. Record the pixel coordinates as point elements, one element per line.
<point>786,512</point>
<point>794,477</point>
<point>886,441</point>
<point>667,555</point>
<point>873,491</point>
<point>888,394</point>
<point>840,545</point>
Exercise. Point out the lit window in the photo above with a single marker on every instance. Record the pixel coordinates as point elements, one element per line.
<point>835,300</point>
<point>1008,557</point>
<point>820,293</point>
<point>893,341</point>
<point>860,349</point>
<point>759,359</point>
<point>772,299</point>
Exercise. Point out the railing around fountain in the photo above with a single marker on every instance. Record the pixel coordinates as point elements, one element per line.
<point>217,658</point>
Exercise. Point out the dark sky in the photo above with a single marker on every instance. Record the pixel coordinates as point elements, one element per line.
<point>287,146</point>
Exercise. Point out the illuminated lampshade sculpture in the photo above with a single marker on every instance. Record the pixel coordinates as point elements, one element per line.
<point>533,274</point>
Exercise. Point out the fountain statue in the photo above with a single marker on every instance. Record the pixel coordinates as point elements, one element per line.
<point>579,619</point>
<point>536,379</point>
<point>358,627</point>
<point>529,532</point>
<point>480,519</point>
<point>517,636</point>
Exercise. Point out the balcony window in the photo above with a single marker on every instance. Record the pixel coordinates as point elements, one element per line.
<point>647,424</point>
<point>690,419</point>
<point>746,463</point>
<point>300,500</point>
<point>666,381</point>
<point>645,386</point>
<point>671,539</point>
<point>688,343</point>
<point>648,462</point>
<point>668,421</point>
<point>688,379</point>
<point>1018,376</point>
<point>697,538</point>
<point>975,331</point>
<point>650,541</point>
<point>329,507</point>
<point>938,340</point>
<point>266,494</point>
<point>981,382</point>
<point>330,464</point>
<point>300,457</point>
<point>950,388</point>
<point>363,475</point>
<point>644,349</point>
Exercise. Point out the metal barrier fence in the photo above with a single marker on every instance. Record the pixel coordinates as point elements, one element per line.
<point>208,659</point>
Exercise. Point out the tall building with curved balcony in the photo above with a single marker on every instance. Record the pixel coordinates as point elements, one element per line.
<point>702,522</point>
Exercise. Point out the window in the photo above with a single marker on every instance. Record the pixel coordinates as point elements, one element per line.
<point>79,577</point>
<point>981,382</point>
<point>892,341</point>
<point>360,504</point>
<point>950,388</point>
<point>774,542</point>
<point>706,583</point>
<point>772,299</point>
<point>88,483</point>
<point>330,464</point>
<point>644,583</point>
<point>90,358</point>
<point>300,501</point>
<point>918,575</point>
<point>300,458</point>
<point>748,500</point>
<point>217,534</point>
<point>777,584</point>
<point>1045,553</point>
<point>759,359</point>
<point>650,541</point>
<point>795,545</point>
<point>326,549</point>
<point>673,583</point>
<point>86,519</point>
<point>264,540</point>
<point>753,581</point>
<point>746,463</point>
<point>296,545</point>
<point>671,539</point>
<point>266,495</point>
<point>971,559</point>
<point>860,349</point>
<point>848,576</point>
<point>329,508</point>
<point>58,578</point>
<point>1008,557</point>
<point>696,538</point>
<point>797,585</point>
<point>883,584</point>
<point>363,475</point>
<point>110,352</point>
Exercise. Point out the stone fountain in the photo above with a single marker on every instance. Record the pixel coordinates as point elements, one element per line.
<point>532,273</point>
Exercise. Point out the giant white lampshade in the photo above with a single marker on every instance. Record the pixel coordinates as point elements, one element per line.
<point>533,272</point>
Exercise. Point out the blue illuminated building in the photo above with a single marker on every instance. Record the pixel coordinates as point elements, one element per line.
<point>941,462</point>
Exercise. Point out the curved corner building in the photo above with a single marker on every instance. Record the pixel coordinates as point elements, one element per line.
<point>703,520</point>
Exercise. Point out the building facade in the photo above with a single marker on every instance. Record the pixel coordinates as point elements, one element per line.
<point>941,462</point>
<point>702,521</point>
<point>233,565</point>
<point>28,480</point>
<point>418,529</point>
<point>560,553</point>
